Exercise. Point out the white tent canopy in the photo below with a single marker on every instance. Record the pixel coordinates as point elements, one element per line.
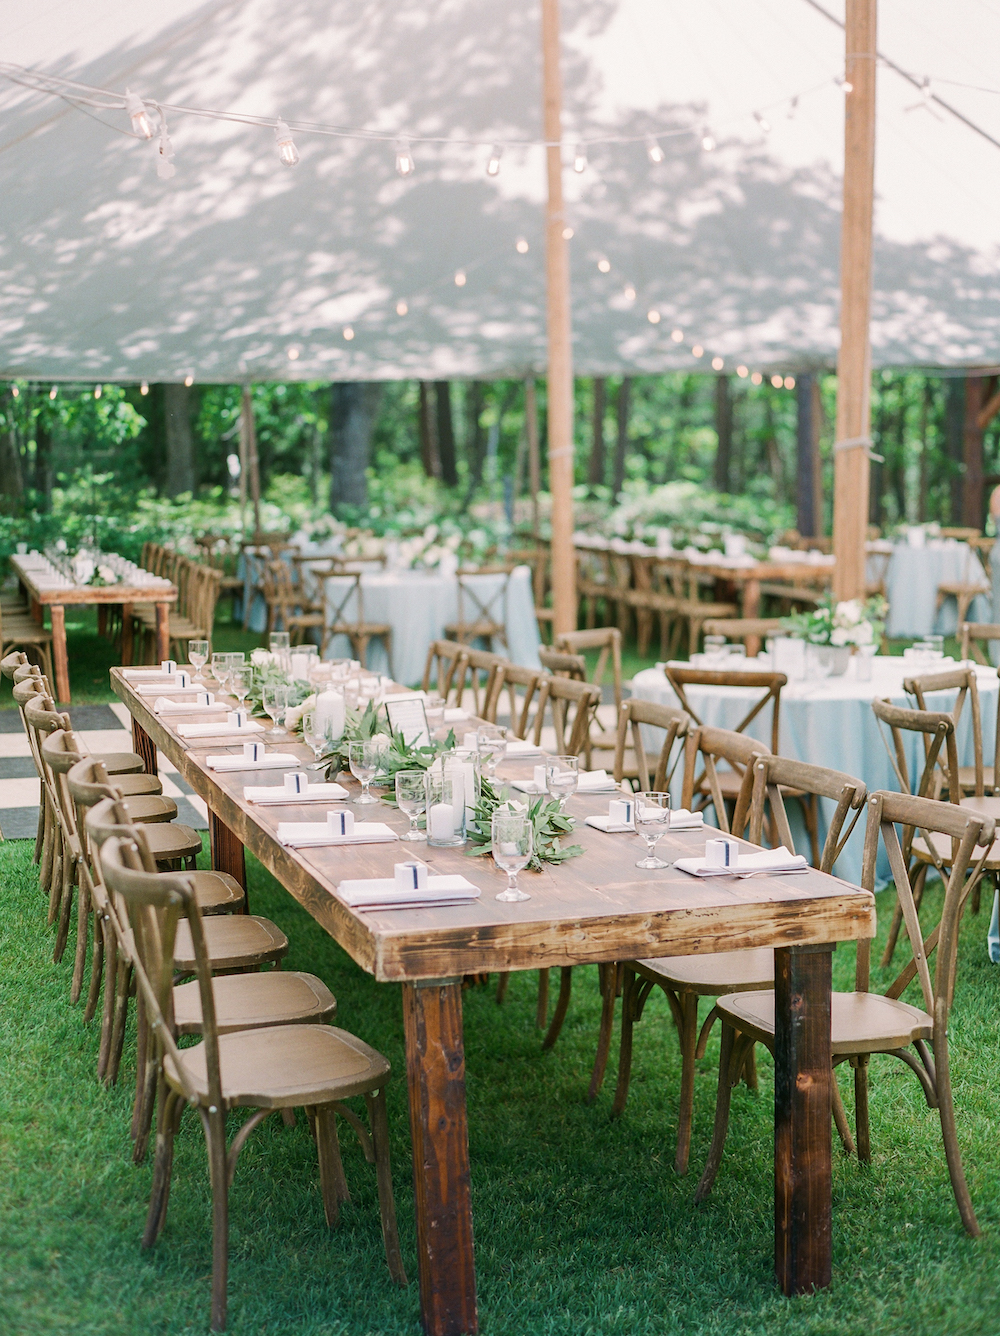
<point>239,268</point>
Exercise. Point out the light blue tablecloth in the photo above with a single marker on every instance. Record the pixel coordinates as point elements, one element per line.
<point>912,581</point>
<point>830,723</point>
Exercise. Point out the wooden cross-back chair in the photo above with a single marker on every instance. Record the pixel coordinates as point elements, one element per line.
<point>705,747</point>
<point>864,1023</point>
<point>975,638</point>
<point>476,672</point>
<point>20,631</point>
<point>510,679</point>
<point>563,697</point>
<point>289,608</point>
<point>962,680</point>
<point>687,979</point>
<point>968,587</point>
<point>442,663</point>
<point>343,589</point>
<point>742,628</point>
<point>316,1066</point>
<point>594,583</point>
<point>482,605</point>
<point>680,585</point>
<point>632,715</point>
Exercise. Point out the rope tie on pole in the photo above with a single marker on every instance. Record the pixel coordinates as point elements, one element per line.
<point>859,443</point>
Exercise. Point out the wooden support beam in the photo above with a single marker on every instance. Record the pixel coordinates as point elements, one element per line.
<point>989,411</point>
<point>560,399</point>
<point>851,467</point>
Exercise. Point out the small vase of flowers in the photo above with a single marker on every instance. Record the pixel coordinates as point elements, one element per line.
<point>837,629</point>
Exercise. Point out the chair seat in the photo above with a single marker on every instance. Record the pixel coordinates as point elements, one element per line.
<point>709,976</point>
<point>132,785</point>
<point>360,628</point>
<point>172,841</point>
<point>150,807</point>
<point>120,763</point>
<point>859,1022</point>
<point>478,630</point>
<point>248,1001</point>
<point>233,941</point>
<point>286,1065</point>
<point>216,892</point>
<point>942,843</point>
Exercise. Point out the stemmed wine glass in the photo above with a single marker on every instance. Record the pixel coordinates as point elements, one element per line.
<point>318,736</point>
<point>279,645</point>
<point>275,701</point>
<point>411,798</point>
<point>562,775</point>
<point>652,821</point>
<point>491,743</point>
<point>220,668</point>
<point>364,759</point>
<point>242,681</point>
<point>197,657</point>
<point>512,839</point>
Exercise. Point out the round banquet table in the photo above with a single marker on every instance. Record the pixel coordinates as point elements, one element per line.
<point>912,580</point>
<point>830,723</point>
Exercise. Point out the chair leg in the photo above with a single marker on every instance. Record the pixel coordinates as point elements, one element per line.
<point>609,991</point>
<point>562,1006</point>
<point>332,1183</point>
<point>65,904</point>
<point>383,1170</point>
<point>625,1045</point>
<point>840,1117</point>
<point>952,1153</point>
<point>688,1035</point>
<point>215,1133</point>
<point>56,874</point>
<point>861,1122</point>
<point>503,983</point>
<point>730,1062</point>
<point>542,1005</point>
<point>123,983</point>
<point>96,969</point>
<point>82,932</point>
<point>108,1010</point>
<point>171,1107</point>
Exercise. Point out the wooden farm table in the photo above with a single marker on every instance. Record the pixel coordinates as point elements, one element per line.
<point>596,908</point>
<point>44,589</point>
<point>750,577</point>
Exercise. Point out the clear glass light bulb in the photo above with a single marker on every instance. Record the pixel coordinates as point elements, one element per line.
<point>567,234</point>
<point>604,265</point>
<point>707,142</point>
<point>677,335</point>
<point>756,378</point>
<point>15,392</point>
<point>717,364</point>
<point>53,392</point>
<point>521,245</point>
<point>144,388</point>
<point>493,166</point>
<point>741,371</point>
<point>97,391</point>
<point>188,381</point>
<point>697,350</point>
<point>580,159</point>
<point>653,149</point>
<point>404,160</point>
<point>293,354</point>
<point>460,279</point>
<point>287,152</point>
<point>789,382</point>
<point>653,317</point>
<point>401,308</point>
<point>630,293</point>
<point>348,333</point>
<point>138,115</point>
<point>777,381</point>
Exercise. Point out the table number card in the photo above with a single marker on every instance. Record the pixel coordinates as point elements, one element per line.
<point>408,716</point>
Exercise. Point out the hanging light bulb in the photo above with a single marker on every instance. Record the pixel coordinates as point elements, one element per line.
<point>742,372</point>
<point>293,354</point>
<point>144,387</point>
<point>165,168</point>
<point>567,233</point>
<point>844,84</point>
<point>52,392</point>
<point>493,166</point>
<point>653,150</point>
<point>756,378</point>
<point>15,392</point>
<point>629,292</point>
<point>287,152</point>
<point>460,279</point>
<point>188,381</point>
<point>653,316</point>
<point>789,382</point>
<point>138,115</point>
<point>521,246</point>
<point>708,141</point>
<point>98,389</point>
<point>604,264</point>
<point>405,165</point>
<point>777,381</point>
<point>697,350</point>
<point>580,159</point>
<point>401,308</point>
<point>763,122</point>
<point>348,333</point>
<point>717,364</point>
<point>677,335</point>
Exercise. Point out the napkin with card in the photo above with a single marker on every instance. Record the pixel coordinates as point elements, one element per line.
<point>338,828</point>
<point>589,781</point>
<point>617,822</point>
<point>743,864</point>
<point>410,887</point>
<point>203,701</point>
<point>237,724</point>
<point>254,756</point>
<point>274,795</point>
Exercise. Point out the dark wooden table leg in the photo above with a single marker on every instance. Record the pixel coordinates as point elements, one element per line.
<point>143,745</point>
<point>435,1071</point>
<point>59,653</point>
<point>227,851</point>
<point>802,1094</point>
<point>127,634</point>
<point>162,632</point>
<point>750,607</point>
<point>102,619</point>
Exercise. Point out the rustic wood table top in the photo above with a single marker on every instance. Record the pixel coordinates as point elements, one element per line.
<point>44,586</point>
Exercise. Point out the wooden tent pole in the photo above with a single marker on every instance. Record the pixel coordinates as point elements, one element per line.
<point>851,465</point>
<point>560,383</point>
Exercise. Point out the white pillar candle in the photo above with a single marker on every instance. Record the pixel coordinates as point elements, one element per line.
<point>441,821</point>
<point>329,713</point>
<point>300,665</point>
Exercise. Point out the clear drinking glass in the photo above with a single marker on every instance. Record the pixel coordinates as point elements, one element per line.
<point>275,699</point>
<point>411,798</point>
<point>242,681</point>
<point>320,739</point>
<point>562,775</point>
<point>220,669</point>
<point>512,838</point>
<point>715,647</point>
<point>434,709</point>
<point>364,760</point>
<point>279,644</point>
<point>652,821</point>
<point>491,743</point>
<point>197,657</point>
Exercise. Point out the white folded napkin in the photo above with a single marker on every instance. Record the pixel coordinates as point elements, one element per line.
<point>274,795</point>
<point>308,834</point>
<point>159,686</point>
<point>145,673</point>
<point>518,750</point>
<point>589,781</point>
<point>682,819</point>
<point>219,730</point>
<point>455,716</point>
<point>768,860</point>
<point>164,706</point>
<point>269,761</point>
<point>382,893</point>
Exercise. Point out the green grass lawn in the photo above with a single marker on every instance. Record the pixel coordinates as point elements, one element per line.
<point>582,1227</point>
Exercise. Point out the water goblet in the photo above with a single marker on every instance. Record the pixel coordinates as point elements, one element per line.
<point>491,743</point>
<point>364,759</point>
<point>512,840</point>
<point>275,701</point>
<point>562,775</point>
<point>411,798</point>
<point>317,734</point>
<point>279,644</point>
<point>242,681</point>
<point>652,821</point>
<point>220,668</point>
<point>197,657</point>
<point>434,709</point>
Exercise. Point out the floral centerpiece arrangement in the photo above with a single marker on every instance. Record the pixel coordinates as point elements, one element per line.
<point>550,823</point>
<point>839,628</point>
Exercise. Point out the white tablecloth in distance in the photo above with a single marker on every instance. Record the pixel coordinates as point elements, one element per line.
<point>830,723</point>
<point>912,581</point>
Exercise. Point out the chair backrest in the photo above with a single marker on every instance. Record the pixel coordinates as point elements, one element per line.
<point>967,830</point>
<point>963,533</point>
<point>741,628</point>
<point>482,595</point>
<point>962,680</point>
<point>561,664</point>
<point>509,678</point>
<point>477,669</point>
<point>340,591</point>
<point>88,785</point>
<point>155,903</point>
<point>442,659</point>
<point>559,694</point>
<point>772,773</point>
<point>61,751</point>
<point>42,718</point>
<point>9,665</point>
<point>939,729</point>
<point>607,640</point>
<point>975,637</point>
<point>709,746</point>
<point>632,714</point>
<point>769,684</point>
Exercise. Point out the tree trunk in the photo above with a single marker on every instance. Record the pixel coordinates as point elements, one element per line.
<point>954,423</point>
<point>475,437</point>
<point>926,404</point>
<point>42,482</point>
<point>810,515</point>
<point>445,434</point>
<point>621,442</point>
<point>596,474</point>
<point>180,475</point>
<point>723,432</point>
<point>427,425</point>
<point>11,474</point>
<point>775,462</point>
<point>248,449</point>
<point>977,391</point>
<point>352,421</point>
